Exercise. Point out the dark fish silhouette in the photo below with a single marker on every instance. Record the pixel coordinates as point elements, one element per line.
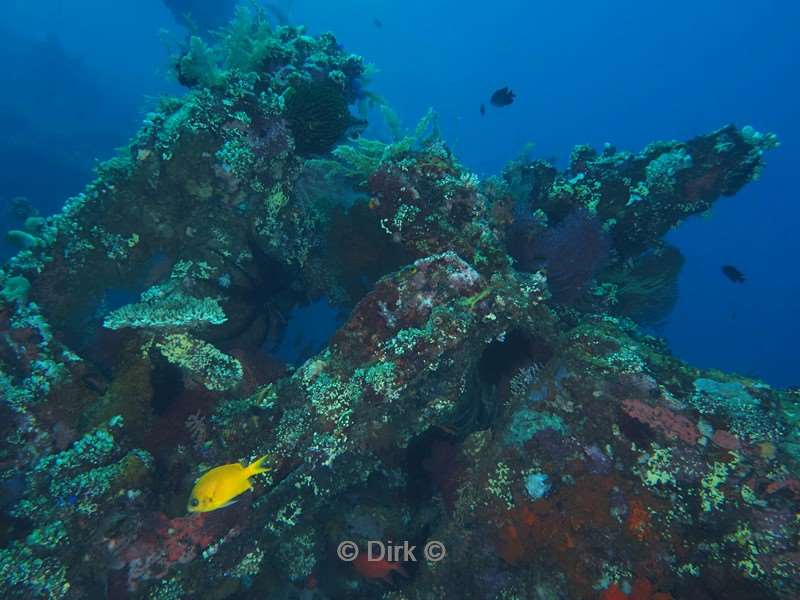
<point>502,97</point>
<point>483,109</point>
<point>21,208</point>
<point>378,23</point>
<point>734,274</point>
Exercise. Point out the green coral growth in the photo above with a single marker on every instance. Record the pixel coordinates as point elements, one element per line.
<point>790,411</point>
<point>749,419</point>
<point>85,472</point>
<point>22,239</point>
<point>60,487</point>
<point>215,369</point>
<point>356,160</point>
<point>762,141</point>
<point>712,497</point>
<point>526,423</point>
<point>15,289</point>
<point>50,536</point>
<point>249,566</point>
<point>167,311</point>
<point>662,171</point>
<point>658,469</point>
<point>198,65</point>
<point>24,575</point>
<point>45,372</point>
<point>167,589</point>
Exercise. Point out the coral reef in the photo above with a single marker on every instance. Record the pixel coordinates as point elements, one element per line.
<point>487,389</point>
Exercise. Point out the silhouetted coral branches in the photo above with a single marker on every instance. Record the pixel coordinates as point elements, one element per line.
<point>196,424</point>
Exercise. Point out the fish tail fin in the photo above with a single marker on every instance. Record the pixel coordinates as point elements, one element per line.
<point>258,466</point>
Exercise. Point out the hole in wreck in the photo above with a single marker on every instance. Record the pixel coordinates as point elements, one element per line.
<point>84,331</point>
<point>479,403</point>
<point>501,359</point>
<point>307,331</point>
<point>167,383</point>
<point>634,430</point>
<point>431,465</point>
<point>432,458</point>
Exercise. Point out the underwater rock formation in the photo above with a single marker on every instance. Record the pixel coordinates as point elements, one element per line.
<point>554,450</point>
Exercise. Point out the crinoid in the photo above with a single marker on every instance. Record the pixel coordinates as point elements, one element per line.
<point>257,298</point>
<point>318,116</point>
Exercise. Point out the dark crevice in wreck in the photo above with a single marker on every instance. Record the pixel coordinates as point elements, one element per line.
<point>425,470</point>
<point>167,382</point>
<point>502,358</point>
<point>80,316</point>
<point>433,456</point>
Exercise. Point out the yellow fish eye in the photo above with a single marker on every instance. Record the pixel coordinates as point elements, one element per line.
<point>195,501</point>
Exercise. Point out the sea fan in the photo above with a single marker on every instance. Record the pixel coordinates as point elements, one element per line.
<point>573,253</point>
<point>647,286</point>
<point>522,236</point>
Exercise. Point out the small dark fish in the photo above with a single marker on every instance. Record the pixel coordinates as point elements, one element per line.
<point>734,274</point>
<point>483,109</point>
<point>21,208</point>
<point>378,23</point>
<point>502,97</point>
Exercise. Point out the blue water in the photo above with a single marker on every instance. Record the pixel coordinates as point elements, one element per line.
<point>626,72</point>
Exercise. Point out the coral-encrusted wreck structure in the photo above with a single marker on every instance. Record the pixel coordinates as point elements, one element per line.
<point>490,388</point>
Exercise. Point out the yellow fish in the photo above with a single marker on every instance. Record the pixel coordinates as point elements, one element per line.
<point>218,487</point>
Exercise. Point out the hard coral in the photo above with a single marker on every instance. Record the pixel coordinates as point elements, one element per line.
<point>210,366</point>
